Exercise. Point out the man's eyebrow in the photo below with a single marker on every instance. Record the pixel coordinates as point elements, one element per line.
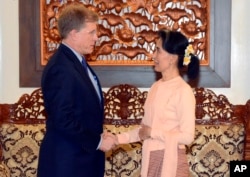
<point>91,31</point>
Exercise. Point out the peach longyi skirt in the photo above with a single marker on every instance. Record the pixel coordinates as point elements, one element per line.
<point>156,161</point>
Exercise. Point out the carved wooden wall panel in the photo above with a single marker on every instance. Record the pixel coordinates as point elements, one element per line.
<point>215,54</point>
<point>127,28</point>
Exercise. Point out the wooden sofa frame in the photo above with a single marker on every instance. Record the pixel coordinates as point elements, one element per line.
<point>124,107</point>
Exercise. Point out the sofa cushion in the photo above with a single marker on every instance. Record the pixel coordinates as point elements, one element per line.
<point>124,160</point>
<point>213,149</point>
<point>209,155</point>
<point>20,147</point>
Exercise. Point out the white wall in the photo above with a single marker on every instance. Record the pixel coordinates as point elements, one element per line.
<point>240,61</point>
<point>9,53</point>
<point>238,93</point>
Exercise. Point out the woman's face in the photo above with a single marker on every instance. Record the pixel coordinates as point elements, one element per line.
<point>163,60</point>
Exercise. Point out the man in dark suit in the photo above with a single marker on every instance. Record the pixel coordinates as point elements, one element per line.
<point>73,145</point>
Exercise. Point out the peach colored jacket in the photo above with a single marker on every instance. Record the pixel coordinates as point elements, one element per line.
<point>170,112</point>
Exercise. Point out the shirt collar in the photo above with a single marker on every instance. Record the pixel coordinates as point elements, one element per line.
<point>75,52</point>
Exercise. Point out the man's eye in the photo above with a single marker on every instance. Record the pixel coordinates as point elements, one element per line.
<point>92,32</point>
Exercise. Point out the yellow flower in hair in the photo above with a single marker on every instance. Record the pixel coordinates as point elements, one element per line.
<point>187,58</point>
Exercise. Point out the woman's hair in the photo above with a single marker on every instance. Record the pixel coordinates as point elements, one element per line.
<point>175,42</point>
<point>74,16</point>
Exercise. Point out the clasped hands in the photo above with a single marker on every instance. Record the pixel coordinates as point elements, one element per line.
<point>109,141</point>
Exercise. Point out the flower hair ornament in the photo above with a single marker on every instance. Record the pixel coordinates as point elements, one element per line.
<point>187,57</point>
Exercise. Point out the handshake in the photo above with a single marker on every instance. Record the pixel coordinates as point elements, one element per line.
<point>109,141</point>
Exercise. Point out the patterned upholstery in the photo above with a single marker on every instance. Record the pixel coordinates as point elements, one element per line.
<point>213,149</point>
<point>124,160</point>
<point>209,155</point>
<point>20,146</point>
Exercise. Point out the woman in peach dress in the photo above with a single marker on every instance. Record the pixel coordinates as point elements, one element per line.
<point>169,121</point>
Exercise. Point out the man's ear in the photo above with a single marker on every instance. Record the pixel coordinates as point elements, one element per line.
<point>73,34</point>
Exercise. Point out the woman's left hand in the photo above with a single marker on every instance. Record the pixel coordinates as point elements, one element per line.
<point>144,132</point>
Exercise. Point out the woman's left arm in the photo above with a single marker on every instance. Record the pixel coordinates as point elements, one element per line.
<point>186,115</point>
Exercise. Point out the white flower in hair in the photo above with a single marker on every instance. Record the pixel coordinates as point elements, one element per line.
<point>187,58</point>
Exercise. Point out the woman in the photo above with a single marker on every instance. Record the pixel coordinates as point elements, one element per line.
<point>169,121</point>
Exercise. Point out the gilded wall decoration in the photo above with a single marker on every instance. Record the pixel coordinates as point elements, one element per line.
<point>127,28</point>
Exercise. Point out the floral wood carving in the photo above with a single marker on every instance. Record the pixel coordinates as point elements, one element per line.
<point>124,105</point>
<point>127,28</point>
<point>214,109</point>
<point>28,109</point>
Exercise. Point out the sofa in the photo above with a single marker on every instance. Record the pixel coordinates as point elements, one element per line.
<point>222,133</point>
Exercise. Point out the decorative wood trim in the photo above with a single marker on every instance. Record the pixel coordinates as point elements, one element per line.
<point>216,74</point>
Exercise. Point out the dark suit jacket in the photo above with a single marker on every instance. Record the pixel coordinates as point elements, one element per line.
<point>75,120</point>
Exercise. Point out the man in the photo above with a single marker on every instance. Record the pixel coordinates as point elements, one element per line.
<point>73,145</point>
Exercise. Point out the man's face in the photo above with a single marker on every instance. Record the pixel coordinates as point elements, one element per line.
<point>86,38</point>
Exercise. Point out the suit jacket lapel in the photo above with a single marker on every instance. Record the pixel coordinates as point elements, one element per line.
<point>78,66</point>
<point>98,83</point>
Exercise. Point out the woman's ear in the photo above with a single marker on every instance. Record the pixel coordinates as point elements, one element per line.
<point>174,59</point>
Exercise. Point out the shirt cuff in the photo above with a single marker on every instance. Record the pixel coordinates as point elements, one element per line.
<point>100,142</point>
